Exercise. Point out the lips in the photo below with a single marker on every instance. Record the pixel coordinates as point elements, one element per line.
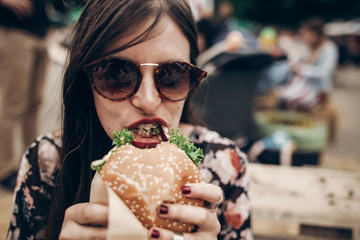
<point>148,132</point>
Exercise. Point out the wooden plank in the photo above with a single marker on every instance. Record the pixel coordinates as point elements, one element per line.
<point>266,237</point>
<point>5,210</point>
<point>265,226</point>
<point>288,197</point>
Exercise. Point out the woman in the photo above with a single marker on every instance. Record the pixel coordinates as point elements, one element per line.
<point>129,39</point>
<point>312,75</point>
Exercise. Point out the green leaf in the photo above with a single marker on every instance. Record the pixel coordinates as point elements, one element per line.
<point>97,164</point>
<point>194,153</point>
<point>122,137</point>
<point>155,131</point>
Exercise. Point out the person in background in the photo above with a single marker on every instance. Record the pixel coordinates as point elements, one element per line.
<point>290,50</point>
<point>312,76</point>
<point>23,63</point>
<point>123,60</point>
<point>202,9</point>
<point>304,80</point>
<point>212,30</point>
<point>279,141</point>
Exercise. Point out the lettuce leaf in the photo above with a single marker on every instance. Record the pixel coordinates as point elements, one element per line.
<point>122,137</point>
<point>194,153</point>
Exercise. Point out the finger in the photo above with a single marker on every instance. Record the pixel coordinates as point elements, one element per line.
<point>199,216</point>
<point>205,191</point>
<point>88,214</point>
<point>75,231</point>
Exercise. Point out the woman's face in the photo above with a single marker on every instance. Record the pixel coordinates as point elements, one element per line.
<point>168,43</point>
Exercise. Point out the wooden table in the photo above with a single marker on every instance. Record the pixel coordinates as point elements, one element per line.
<point>304,201</point>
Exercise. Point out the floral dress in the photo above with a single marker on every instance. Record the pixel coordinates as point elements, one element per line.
<point>224,165</point>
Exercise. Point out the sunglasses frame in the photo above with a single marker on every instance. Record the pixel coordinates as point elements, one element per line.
<point>200,74</point>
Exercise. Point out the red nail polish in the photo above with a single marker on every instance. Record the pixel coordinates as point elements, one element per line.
<point>186,189</point>
<point>155,233</point>
<point>163,209</point>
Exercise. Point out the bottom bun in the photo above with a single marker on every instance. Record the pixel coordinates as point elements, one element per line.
<point>146,178</point>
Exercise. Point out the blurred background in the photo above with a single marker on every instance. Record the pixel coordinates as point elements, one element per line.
<point>284,83</point>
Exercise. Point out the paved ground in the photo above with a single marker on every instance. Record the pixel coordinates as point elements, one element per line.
<point>343,153</point>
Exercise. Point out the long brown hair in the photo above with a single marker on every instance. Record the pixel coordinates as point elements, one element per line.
<point>84,138</point>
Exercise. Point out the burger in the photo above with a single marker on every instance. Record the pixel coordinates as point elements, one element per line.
<point>146,174</point>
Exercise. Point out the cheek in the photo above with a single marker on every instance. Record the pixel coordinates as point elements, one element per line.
<point>176,112</point>
<point>102,113</point>
<point>110,114</point>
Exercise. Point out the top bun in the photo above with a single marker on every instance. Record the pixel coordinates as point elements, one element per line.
<point>146,178</point>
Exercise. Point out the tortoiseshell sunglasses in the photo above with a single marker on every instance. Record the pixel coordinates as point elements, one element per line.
<point>118,79</point>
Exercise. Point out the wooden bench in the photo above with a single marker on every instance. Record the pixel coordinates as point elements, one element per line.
<point>304,201</point>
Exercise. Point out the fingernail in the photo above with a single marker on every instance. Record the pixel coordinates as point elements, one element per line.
<point>155,233</point>
<point>163,209</point>
<point>186,189</point>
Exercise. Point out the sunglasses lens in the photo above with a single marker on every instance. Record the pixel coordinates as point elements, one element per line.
<point>115,79</point>
<point>176,80</point>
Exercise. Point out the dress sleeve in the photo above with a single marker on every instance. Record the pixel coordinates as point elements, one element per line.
<point>235,212</point>
<point>226,166</point>
<point>34,190</point>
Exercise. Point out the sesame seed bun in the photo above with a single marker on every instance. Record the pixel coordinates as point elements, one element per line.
<point>146,178</point>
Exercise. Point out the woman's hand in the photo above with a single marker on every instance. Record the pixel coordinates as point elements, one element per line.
<point>85,221</point>
<point>205,219</point>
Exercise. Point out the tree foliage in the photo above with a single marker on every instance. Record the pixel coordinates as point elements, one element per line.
<point>291,12</point>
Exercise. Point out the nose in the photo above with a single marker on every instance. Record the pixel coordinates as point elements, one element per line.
<point>147,97</point>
